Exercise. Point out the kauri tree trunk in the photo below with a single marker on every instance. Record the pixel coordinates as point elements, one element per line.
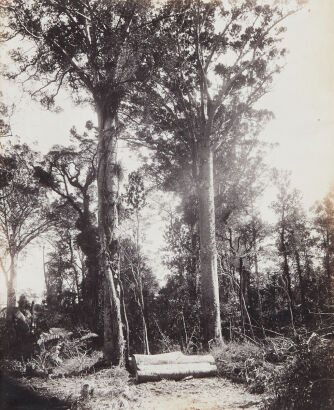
<point>208,252</point>
<point>108,187</point>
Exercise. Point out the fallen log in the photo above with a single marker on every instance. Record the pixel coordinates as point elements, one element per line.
<point>164,358</point>
<point>158,372</point>
<point>171,358</point>
<point>173,365</point>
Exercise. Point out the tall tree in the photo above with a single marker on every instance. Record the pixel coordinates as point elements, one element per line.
<point>95,48</point>
<point>139,286</point>
<point>65,264</point>
<point>293,243</point>
<point>23,216</point>
<point>180,297</point>
<point>136,198</point>
<point>71,173</point>
<point>324,224</point>
<point>217,62</point>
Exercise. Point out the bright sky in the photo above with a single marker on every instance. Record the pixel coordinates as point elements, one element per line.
<point>302,100</point>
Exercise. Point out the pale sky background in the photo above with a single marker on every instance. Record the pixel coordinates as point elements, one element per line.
<point>302,100</point>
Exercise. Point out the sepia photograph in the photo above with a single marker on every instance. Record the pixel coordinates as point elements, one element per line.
<point>166,204</point>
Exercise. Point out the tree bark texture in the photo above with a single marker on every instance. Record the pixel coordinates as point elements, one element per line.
<point>108,187</point>
<point>208,252</point>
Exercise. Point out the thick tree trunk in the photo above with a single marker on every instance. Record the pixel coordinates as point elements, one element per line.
<point>108,186</point>
<point>208,251</point>
<point>11,290</point>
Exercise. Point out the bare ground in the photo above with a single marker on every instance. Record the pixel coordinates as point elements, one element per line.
<point>113,389</point>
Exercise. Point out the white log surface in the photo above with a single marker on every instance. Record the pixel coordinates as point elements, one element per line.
<point>164,358</point>
<point>174,365</point>
<point>171,358</point>
<point>174,371</point>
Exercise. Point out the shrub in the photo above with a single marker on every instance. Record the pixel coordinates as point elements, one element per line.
<point>245,363</point>
<point>307,381</point>
<point>13,367</point>
<point>60,350</point>
<point>279,349</point>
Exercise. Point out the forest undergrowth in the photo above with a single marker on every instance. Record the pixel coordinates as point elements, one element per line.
<point>275,374</point>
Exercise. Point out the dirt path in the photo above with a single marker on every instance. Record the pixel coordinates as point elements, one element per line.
<point>196,394</point>
<point>15,396</point>
<point>114,390</point>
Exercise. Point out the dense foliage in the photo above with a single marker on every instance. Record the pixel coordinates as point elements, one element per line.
<point>172,80</point>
